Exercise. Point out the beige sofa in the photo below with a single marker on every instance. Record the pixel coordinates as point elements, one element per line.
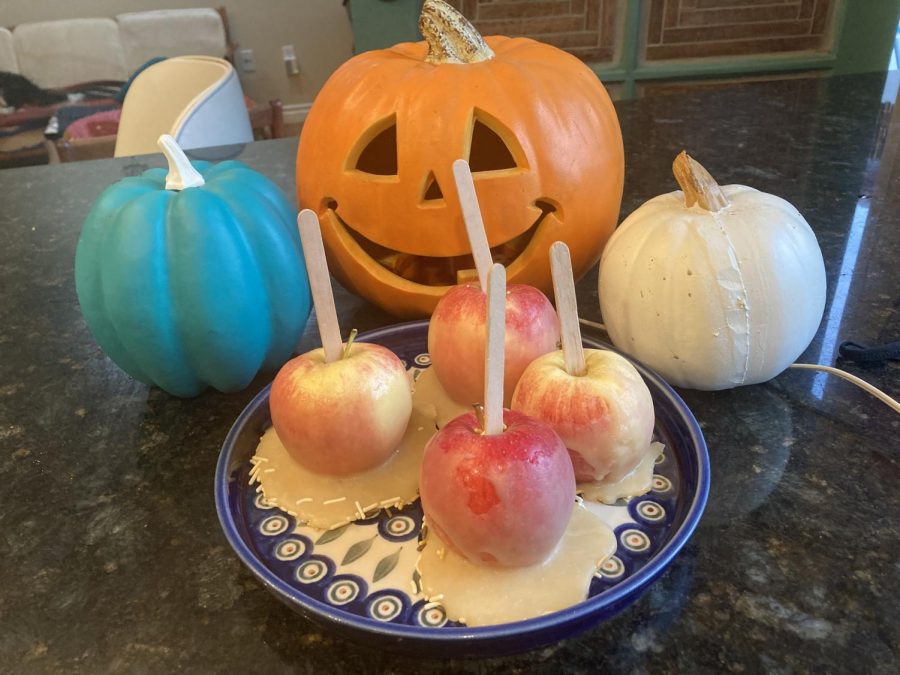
<point>70,51</point>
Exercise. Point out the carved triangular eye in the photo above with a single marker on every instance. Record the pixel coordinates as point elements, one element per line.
<point>378,154</point>
<point>493,147</point>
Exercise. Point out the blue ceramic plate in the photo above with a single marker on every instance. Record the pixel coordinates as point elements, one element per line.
<point>356,580</point>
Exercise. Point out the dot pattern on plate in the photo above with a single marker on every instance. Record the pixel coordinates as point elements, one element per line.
<point>312,571</point>
<point>366,568</point>
<point>661,483</point>
<point>274,525</point>
<point>291,549</point>
<point>262,503</point>
<point>612,569</point>
<point>431,615</point>
<point>649,511</point>
<point>399,528</point>
<point>634,540</point>
<point>343,590</point>
<point>387,606</point>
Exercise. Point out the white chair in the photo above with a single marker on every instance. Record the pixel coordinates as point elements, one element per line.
<point>196,99</point>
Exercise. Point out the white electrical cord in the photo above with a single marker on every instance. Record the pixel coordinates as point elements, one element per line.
<point>592,324</point>
<point>862,384</point>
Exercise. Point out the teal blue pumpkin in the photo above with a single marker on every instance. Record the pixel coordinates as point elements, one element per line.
<point>201,284</point>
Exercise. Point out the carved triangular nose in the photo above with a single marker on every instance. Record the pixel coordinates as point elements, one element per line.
<point>432,189</point>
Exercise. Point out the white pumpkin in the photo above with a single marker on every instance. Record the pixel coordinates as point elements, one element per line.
<point>713,287</point>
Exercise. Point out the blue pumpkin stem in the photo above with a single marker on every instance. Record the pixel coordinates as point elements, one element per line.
<point>182,173</point>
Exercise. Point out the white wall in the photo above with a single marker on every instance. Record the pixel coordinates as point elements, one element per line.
<point>318,29</point>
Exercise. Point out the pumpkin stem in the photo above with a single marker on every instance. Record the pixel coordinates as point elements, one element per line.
<point>450,37</point>
<point>182,173</point>
<point>698,186</point>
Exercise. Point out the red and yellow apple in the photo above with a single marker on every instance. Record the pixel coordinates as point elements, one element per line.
<point>604,417</point>
<point>500,500</point>
<point>456,338</point>
<point>342,417</point>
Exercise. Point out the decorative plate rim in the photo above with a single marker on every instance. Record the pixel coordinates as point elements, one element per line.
<point>655,565</point>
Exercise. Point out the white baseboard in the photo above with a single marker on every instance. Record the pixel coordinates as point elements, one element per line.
<point>295,113</point>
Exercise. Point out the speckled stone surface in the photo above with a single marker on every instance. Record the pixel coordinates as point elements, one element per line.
<point>112,558</point>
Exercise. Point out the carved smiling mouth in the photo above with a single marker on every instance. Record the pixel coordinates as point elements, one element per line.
<point>442,270</point>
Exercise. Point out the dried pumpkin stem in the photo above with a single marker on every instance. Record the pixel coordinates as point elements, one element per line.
<point>450,37</point>
<point>698,186</point>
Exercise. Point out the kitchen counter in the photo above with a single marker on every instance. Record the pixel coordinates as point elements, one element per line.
<point>113,559</point>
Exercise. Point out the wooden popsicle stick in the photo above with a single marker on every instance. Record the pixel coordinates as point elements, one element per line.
<point>320,284</point>
<point>494,354</point>
<point>567,308</point>
<point>468,200</point>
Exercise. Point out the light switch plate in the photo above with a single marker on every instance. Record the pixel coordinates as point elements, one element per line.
<point>247,60</point>
<point>289,57</point>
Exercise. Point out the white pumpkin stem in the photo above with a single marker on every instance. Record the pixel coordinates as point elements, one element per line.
<point>698,186</point>
<point>450,37</point>
<point>182,173</point>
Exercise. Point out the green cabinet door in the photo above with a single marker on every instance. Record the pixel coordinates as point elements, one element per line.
<point>381,23</point>
<point>862,36</point>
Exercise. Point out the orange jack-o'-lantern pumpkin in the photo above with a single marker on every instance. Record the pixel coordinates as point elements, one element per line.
<point>375,161</point>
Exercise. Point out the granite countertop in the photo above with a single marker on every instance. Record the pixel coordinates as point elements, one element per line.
<point>113,559</point>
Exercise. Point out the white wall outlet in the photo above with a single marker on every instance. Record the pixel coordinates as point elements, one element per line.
<point>290,60</point>
<point>247,60</point>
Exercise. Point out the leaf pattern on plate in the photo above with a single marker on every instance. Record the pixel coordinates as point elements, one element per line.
<point>386,565</point>
<point>331,535</point>
<point>358,550</point>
